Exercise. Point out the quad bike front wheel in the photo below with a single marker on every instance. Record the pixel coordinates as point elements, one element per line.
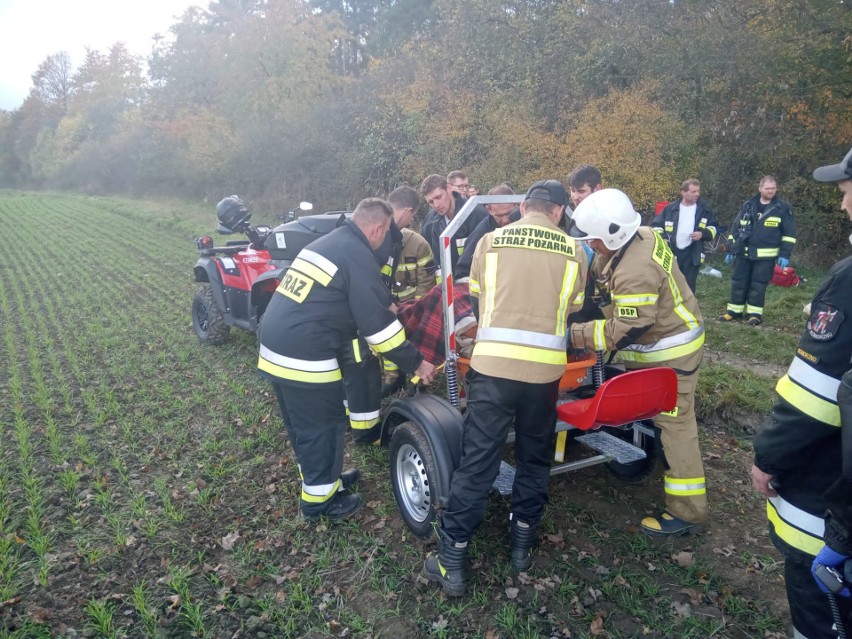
<point>640,435</point>
<point>413,474</point>
<point>207,319</point>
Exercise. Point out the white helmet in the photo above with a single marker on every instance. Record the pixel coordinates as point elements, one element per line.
<point>609,216</point>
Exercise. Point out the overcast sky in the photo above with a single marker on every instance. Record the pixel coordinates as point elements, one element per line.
<point>31,30</point>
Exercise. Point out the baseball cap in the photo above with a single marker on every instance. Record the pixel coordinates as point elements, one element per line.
<point>549,191</point>
<point>835,172</point>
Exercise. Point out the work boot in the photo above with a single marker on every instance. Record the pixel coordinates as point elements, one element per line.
<point>754,320</point>
<point>667,525</point>
<point>729,317</point>
<point>344,504</point>
<point>448,566</point>
<point>349,478</point>
<point>523,540</point>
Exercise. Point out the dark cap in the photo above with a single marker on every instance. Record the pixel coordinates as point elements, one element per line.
<point>549,191</point>
<point>835,172</point>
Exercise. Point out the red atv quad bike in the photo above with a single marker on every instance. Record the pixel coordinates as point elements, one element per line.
<point>238,279</point>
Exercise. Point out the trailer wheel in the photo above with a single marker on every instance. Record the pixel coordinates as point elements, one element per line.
<point>636,434</point>
<point>413,474</point>
<point>207,320</point>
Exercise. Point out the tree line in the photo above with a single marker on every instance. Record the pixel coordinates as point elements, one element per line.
<point>333,100</point>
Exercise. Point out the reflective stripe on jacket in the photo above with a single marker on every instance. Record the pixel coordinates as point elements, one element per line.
<point>799,443</point>
<point>415,268</point>
<point>766,235</point>
<point>332,293</point>
<point>651,316</point>
<point>528,276</point>
<point>705,221</point>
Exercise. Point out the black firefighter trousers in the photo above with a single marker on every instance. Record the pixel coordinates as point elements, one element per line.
<point>493,404</point>
<point>809,607</point>
<point>748,285</point>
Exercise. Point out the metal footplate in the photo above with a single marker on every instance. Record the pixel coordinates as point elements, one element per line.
<point>621,451</point>
<point>505,479</point>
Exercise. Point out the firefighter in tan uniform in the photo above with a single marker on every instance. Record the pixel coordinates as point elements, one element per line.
<point>652,319</point>
<point>525,279</point>
<point>412,268</point>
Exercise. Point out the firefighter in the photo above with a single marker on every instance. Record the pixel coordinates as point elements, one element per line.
<point>762,233</point>
<point>524,280</point>
<point>652,318</point>
<point>798,451</point>
<point>408,268</point>
<point>329,310</point>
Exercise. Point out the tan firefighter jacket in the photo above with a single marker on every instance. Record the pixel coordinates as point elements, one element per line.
<point>415,270</point>
<point>651,316</point>
<point>528,277</point>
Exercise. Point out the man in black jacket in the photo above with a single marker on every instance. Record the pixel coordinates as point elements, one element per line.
<point>763,233</point>
<point>685,224</point>
<point>329,310</point>
<point>445,204</point>
<point>798,451</point>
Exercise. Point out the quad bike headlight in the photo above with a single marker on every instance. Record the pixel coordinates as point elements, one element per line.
<point>204,243</point>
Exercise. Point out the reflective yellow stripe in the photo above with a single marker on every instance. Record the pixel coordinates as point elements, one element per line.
<point>793,536</point>
<point>406,267</point>
<point>636,299</point>
<point>767,252</point>
<point>809,403</point>
<point>523,353</point>
<point>787,238</point>
<point>404,293</point>
<point>356,350</point>
<point>473,286</point>
<point>600,335</point>
<point>363,421</point>
<point>753,310</point>
<point>568,280</point>
<point>306,268</point>
<point>318,494</point>
<point>387,270</point>
<point>685,486</point>
<point>664,354</point>
<point>310,371</point>
<point>491,261</point>
<point>423,261</point>
<point>682,312</point>
<point>736,308</point>
<point>561,438</point>
<point>712,230</point>
<point>387,339</point>
<point>657,229</point>
<point>388,365</point>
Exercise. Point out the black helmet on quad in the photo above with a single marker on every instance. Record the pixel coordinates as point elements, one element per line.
<point>232,213</point>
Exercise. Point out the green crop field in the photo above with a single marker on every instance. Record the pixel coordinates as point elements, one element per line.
<point>147,487</point>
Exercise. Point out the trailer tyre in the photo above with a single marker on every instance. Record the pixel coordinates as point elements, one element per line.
<point>207,319</point>
<point>413,474</point>
<point>639,471</point>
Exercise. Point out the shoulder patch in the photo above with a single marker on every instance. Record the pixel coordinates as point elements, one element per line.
<point>824,322</point>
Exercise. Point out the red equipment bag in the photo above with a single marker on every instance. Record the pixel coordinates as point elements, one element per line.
<point>659,206</point>
<point>785,277</point>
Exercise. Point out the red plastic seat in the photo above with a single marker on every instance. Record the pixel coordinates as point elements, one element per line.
<point>628,397</point>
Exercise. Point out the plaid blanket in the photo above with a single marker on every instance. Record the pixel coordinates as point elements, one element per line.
<point>423,320</point>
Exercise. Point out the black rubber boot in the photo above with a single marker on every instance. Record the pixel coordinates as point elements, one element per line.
<point>448,566</point>
<point>523,540</point>
<point>349,478</point>
<point>344,504</point>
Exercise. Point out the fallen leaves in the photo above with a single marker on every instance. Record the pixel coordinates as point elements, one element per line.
<point>229,540</point>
